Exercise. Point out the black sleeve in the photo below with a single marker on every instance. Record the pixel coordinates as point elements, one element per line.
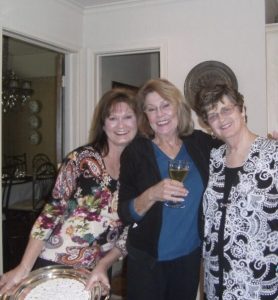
<point>127,190</point>
<point>207,140</point>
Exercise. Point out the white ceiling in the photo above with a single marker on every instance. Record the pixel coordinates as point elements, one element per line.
<point>93,3</point>
<point>271,6</point>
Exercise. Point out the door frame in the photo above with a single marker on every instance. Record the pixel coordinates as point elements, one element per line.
<point>150,47</point>
<point>69,56</point>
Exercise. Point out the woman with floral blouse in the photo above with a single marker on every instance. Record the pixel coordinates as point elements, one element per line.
<point>80,224</point>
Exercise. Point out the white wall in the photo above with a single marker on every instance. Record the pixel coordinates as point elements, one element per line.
<point>272,76</point>
<point>50,21</point>
<point>192,31</point>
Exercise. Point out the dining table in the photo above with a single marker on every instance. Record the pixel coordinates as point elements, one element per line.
<point>21,188</point>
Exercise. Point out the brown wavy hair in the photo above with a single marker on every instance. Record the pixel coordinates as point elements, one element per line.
<point>208,98</point>
<point>98,137</point>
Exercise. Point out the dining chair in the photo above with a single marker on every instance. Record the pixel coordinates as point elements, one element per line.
<point>42,183</point>
<point>21,214</point>
<point>14,165</point>
<point>39,159</point>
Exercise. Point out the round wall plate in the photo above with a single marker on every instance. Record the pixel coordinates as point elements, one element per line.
<point>34,121</point>
<point>34,137</point>
<point>205,74</point>
<point>34,106</point>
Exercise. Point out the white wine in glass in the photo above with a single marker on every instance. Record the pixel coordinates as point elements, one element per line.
<point>178,170</point>
<point>178,174</point>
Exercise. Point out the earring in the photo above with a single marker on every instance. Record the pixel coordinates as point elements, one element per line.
<point>213,135</point>
<point>245,115</point>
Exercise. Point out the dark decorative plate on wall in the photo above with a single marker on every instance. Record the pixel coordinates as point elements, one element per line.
<point>207,73</point>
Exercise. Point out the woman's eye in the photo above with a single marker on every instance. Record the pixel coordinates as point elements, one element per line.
<point>212,117</point>
<point>111,118</point>
<point>128,117</point>
<point>166,105</point>
<point>226,110</point>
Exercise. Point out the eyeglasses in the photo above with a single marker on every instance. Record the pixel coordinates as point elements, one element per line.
<point>224,112</point>
<point>164,107</point>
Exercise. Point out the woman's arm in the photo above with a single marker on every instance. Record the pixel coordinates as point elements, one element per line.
<point>43,226</point>
<point>141,186</point>
<point>99,273</point>
<point>14,276</point>
<point>165,190</point>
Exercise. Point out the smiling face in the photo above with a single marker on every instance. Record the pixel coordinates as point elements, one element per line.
<point>225,119</point>
<point>121,125</point>
<point>161,114</point>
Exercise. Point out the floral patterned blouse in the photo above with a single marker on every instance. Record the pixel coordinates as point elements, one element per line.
<point>80,223</point>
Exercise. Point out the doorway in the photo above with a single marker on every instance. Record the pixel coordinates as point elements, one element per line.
<point>32,119</point>
<point>130,69</point>
<point>32,124</point>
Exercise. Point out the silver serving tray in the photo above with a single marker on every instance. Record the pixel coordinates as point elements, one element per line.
<point>47,273</point>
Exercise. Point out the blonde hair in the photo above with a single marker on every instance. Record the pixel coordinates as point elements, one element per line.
<point>171,93</point>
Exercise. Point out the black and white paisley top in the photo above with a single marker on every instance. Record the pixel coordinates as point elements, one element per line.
<point>241,225</point>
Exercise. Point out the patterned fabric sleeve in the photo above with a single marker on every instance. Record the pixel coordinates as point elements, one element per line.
<point>121,242</point>
<point>53,211</point>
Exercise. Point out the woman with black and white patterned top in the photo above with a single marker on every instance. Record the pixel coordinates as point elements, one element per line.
<point>240,203</point>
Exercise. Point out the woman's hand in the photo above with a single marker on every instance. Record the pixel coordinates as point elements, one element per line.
<point>99,273</point>
<point>167,189</point>
<point>12,278</point>
<point>99,276</point>
<point>274,135</point>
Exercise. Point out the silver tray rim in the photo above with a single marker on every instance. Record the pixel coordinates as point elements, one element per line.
<point>47,273</point>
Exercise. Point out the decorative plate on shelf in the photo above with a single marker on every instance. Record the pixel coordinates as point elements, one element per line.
<point>34,121</point>
<point>207,73</point>
<point>34,106</point>
<point>34,137</point>
<point>55,282</point>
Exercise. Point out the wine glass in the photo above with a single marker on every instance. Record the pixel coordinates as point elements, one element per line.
<point>178,170</point>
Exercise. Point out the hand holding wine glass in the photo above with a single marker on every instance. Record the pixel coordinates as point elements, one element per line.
<point>178,170</point>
